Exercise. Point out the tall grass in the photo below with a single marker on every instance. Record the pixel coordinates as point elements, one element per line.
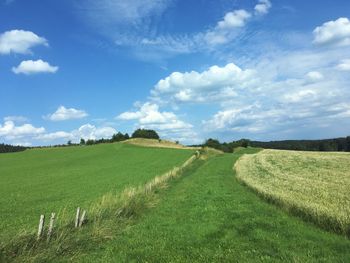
<point>108,216</point>
<point>314,186</point>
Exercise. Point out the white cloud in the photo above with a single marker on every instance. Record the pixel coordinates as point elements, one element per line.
<point>55,136</point>
<point>215,84</point>
<point>92,132</point>
<point>224,30</point>
<point>11,132</point>
<point>314,76</point>
<point>344,65</point>
<point>166,123</point>
<point>262,7</point>
<point>29,67</point>
<point>237,18</point>
<point>333,33</point>
<point>63,113</point>
<point>20,41</point>
<point>86,131</point>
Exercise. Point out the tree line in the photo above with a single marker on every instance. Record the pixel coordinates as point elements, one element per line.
<point>326,145</point>
<point>118,137</point>
<point>6,148</point>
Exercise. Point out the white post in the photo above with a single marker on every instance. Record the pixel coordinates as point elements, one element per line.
<point>82,219</point>
<point>52,221</point>
<point>77,217</point>
<point>41,226</point>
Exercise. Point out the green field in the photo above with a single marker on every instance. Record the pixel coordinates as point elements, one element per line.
<point>208,216</point>
<point>204,214</point>
<point>315,185</point>
<point>48,180</point>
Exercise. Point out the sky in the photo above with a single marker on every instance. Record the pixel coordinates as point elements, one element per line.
<point>191,70</point>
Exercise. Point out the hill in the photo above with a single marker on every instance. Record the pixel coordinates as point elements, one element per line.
<point>47,180</point>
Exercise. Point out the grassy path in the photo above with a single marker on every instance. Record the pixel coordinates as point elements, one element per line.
<point>209,217</point>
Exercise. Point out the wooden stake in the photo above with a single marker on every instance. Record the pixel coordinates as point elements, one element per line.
<point>52,221</point>
<point>77,217</point>
<point>41,226</point>
<point>82,219</point>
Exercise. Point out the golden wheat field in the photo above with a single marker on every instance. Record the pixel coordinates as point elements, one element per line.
<point>314,185</point>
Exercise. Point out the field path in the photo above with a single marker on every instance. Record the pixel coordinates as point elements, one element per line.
<point>208,216</point>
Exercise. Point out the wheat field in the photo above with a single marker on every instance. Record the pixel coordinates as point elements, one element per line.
<point>314,185</point>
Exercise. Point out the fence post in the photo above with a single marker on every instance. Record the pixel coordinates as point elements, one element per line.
<point>77,217</point>
<point>52,221</point>
<point>82,219</point>
<point>41,226</point>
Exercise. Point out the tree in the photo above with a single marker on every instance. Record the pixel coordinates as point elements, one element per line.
<point>69,142</point>
<point>348,144</point>
<point>144,133</point>
<point>82,141</point>
<point>213,143</point>
<point>90,142</point>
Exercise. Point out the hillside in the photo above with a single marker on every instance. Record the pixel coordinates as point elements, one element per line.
<point>47,180</point>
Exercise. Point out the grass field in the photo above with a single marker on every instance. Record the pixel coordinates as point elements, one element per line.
<point>208,216</point>
<point>204,215</point>
<point>48,180</point>
<point>313,185</point>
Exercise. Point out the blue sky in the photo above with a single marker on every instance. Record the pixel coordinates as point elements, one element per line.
<point>227,69</point>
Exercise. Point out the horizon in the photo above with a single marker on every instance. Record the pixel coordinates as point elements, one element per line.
<point>229,69</point>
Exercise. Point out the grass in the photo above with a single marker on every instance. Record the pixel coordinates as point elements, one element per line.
<point>40,181</point>
<point>204,215</point>
<point>208,216</point>
<point>313,185</point>
<point>107,216</point>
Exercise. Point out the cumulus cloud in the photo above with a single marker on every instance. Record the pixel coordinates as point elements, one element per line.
<point>216,83</point>
<point>92,132</point>
<point>333,33</point>
<point>262,7</point>
<point>86,131</point>
<point>344,65</point>
<point>224,30</point>
<point>20,41</point>
<point>29,67</point>
<point>63,114</point>
<point>166,123</point>
<point>10,131</point>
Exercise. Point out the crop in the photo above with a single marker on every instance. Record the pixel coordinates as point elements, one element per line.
<point>313,185</point>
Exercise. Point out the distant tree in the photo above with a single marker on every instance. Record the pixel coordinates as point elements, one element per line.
<point>69,142</point>
<point>143,133</point>
<point>213,143</point>
<point>6,148</point>
<point>90,142</point>
<point>348,144</point>
<point>82,141</point>
<point>244,143</point>
<point>118,137</point>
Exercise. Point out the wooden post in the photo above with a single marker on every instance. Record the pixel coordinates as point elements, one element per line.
<point>52,221</point>
<point>41,226</point>
<point>77,217</point>
<point>82,219</point>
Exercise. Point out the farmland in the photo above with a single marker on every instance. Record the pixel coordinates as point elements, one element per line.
<point>313,185</point>
<point>201,214</point>
<point>49,180</point>
<point>208,216</point>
